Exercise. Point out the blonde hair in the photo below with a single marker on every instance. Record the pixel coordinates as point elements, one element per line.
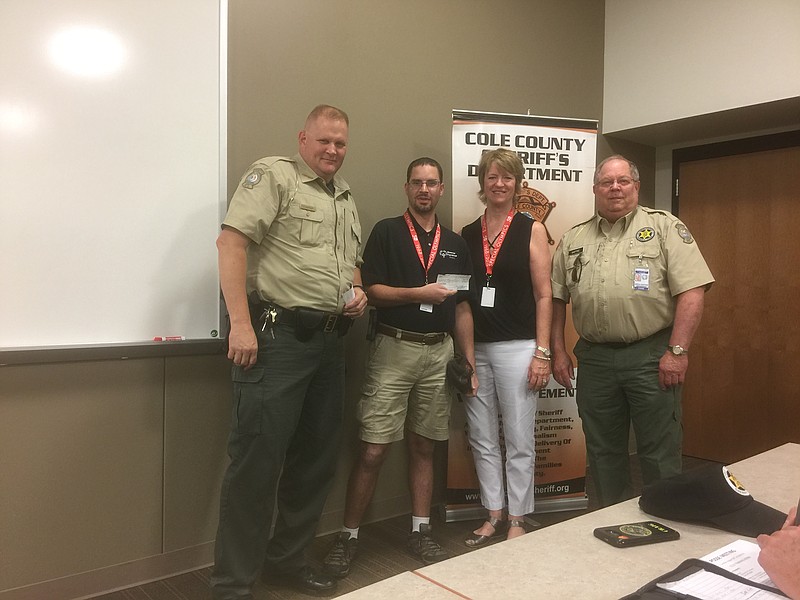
<point>508,161</point>
<point>329,112</point>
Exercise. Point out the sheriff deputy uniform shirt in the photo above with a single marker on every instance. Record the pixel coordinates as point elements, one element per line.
<point>622,277</point>
<point>307,238</point>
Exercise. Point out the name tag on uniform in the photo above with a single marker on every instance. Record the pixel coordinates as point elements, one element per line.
<point>426,307</point>
<point>487,297</point>
<point>641,278</point>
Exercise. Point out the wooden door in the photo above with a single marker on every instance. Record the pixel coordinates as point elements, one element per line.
<point>742,391</point>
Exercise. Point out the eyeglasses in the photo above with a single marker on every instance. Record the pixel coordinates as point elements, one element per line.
<point>621,182</point>
<point>418,183</point>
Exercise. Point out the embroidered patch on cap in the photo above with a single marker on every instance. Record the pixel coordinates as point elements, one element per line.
<point>645,234</point>
<point>684,233</point>
<point>735,484</point>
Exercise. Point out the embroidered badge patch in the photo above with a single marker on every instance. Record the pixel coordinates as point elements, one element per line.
<point>684,233</point>
<point>735,484</point>
<point>645,234</point>
<point>252,178</point>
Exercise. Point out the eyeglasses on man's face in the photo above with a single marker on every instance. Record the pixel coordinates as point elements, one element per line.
<point>430,183</point>
<point>622,182</point>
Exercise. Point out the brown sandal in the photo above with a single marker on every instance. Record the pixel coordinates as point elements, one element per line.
<point>517,523</point>
<point>476,540</point>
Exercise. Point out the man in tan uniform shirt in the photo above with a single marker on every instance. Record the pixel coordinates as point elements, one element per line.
<point>636,280</point>
<point>289,256</point>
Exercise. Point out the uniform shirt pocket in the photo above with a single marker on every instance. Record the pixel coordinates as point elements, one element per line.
<point>354,242</point>
<point>642,256</point>
<point>306,223</point>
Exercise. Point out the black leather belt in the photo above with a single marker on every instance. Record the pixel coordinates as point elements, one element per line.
<point>412,336</point>
<point>316,320</point>
<point>308,319</point>
<point>619,345</point>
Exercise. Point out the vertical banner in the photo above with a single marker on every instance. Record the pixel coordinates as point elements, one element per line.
<point>559,159</point>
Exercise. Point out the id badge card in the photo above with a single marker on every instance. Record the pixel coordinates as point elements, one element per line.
<point>428,308</point>
<point>641,278</point>
<point>487,297</point>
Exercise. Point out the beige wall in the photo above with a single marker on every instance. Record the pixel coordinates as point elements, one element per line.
<point>398,69</point>
<point>685,73</point>
<point>675,59</point>
<point>110,469</point>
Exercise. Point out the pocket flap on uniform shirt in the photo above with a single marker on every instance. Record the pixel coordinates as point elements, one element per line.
<point>357,231</point>
<point>645,251</point>
<point>307,213</point>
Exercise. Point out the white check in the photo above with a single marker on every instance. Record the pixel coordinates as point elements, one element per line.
<point>454,281</point>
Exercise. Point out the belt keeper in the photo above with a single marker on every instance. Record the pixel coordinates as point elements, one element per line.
<point>398,334</point>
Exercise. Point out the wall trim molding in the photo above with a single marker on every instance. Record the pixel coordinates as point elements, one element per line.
<point>116,577</point>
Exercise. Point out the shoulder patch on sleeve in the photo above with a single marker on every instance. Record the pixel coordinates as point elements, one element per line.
<point>253,178</point>
<point>684,233</point>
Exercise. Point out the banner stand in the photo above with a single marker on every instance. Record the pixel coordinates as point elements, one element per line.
<point>471,512</point>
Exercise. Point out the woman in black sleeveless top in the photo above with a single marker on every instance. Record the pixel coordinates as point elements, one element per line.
<point>512,310</point>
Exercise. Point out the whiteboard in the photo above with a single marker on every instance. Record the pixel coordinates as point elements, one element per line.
<point>112,170</point>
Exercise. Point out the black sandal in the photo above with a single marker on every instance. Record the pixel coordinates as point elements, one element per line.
<point>476,540</point>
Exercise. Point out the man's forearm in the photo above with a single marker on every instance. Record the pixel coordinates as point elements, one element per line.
<point>688,312</point>
<point>559,323</point>
<point>233,277</point>
<point>464,331</point>
<point>386,295</point>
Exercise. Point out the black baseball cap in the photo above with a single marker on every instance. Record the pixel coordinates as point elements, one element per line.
<point>710,495</point>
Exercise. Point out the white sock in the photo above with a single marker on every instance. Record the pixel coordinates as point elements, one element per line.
<point>417,521</point>
<point>353,532</point>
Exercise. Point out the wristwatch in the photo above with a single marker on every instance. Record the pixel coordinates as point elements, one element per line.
<point>545,351</point>
<point>677,350</point>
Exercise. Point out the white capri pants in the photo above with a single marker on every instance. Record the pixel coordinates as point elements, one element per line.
<point>502,369</point>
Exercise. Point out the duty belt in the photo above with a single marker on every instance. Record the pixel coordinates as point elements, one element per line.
<point>428,339</point>
<point>268,313</point>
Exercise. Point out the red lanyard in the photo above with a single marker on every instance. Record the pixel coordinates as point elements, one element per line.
<point>489,257</point>
<point>418,246</point>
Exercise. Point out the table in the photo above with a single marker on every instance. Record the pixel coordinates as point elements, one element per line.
<point>566,561</point>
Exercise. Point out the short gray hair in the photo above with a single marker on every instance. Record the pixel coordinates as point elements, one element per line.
<point>634,169</point>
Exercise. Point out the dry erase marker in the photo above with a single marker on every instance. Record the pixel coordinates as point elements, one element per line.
<point>169,338</point>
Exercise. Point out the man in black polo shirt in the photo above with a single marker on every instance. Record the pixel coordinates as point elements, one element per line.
<point>418,310</point>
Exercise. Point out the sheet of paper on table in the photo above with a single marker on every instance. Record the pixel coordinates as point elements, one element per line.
<point>739,557</point>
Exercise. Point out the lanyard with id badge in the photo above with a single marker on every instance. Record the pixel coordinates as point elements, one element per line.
<point>641,275</point>
<point>641,270</point>
<point>490,256</point>
<point>418,248</point>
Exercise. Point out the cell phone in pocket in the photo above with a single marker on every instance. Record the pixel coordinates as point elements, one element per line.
<point>636,534</point>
